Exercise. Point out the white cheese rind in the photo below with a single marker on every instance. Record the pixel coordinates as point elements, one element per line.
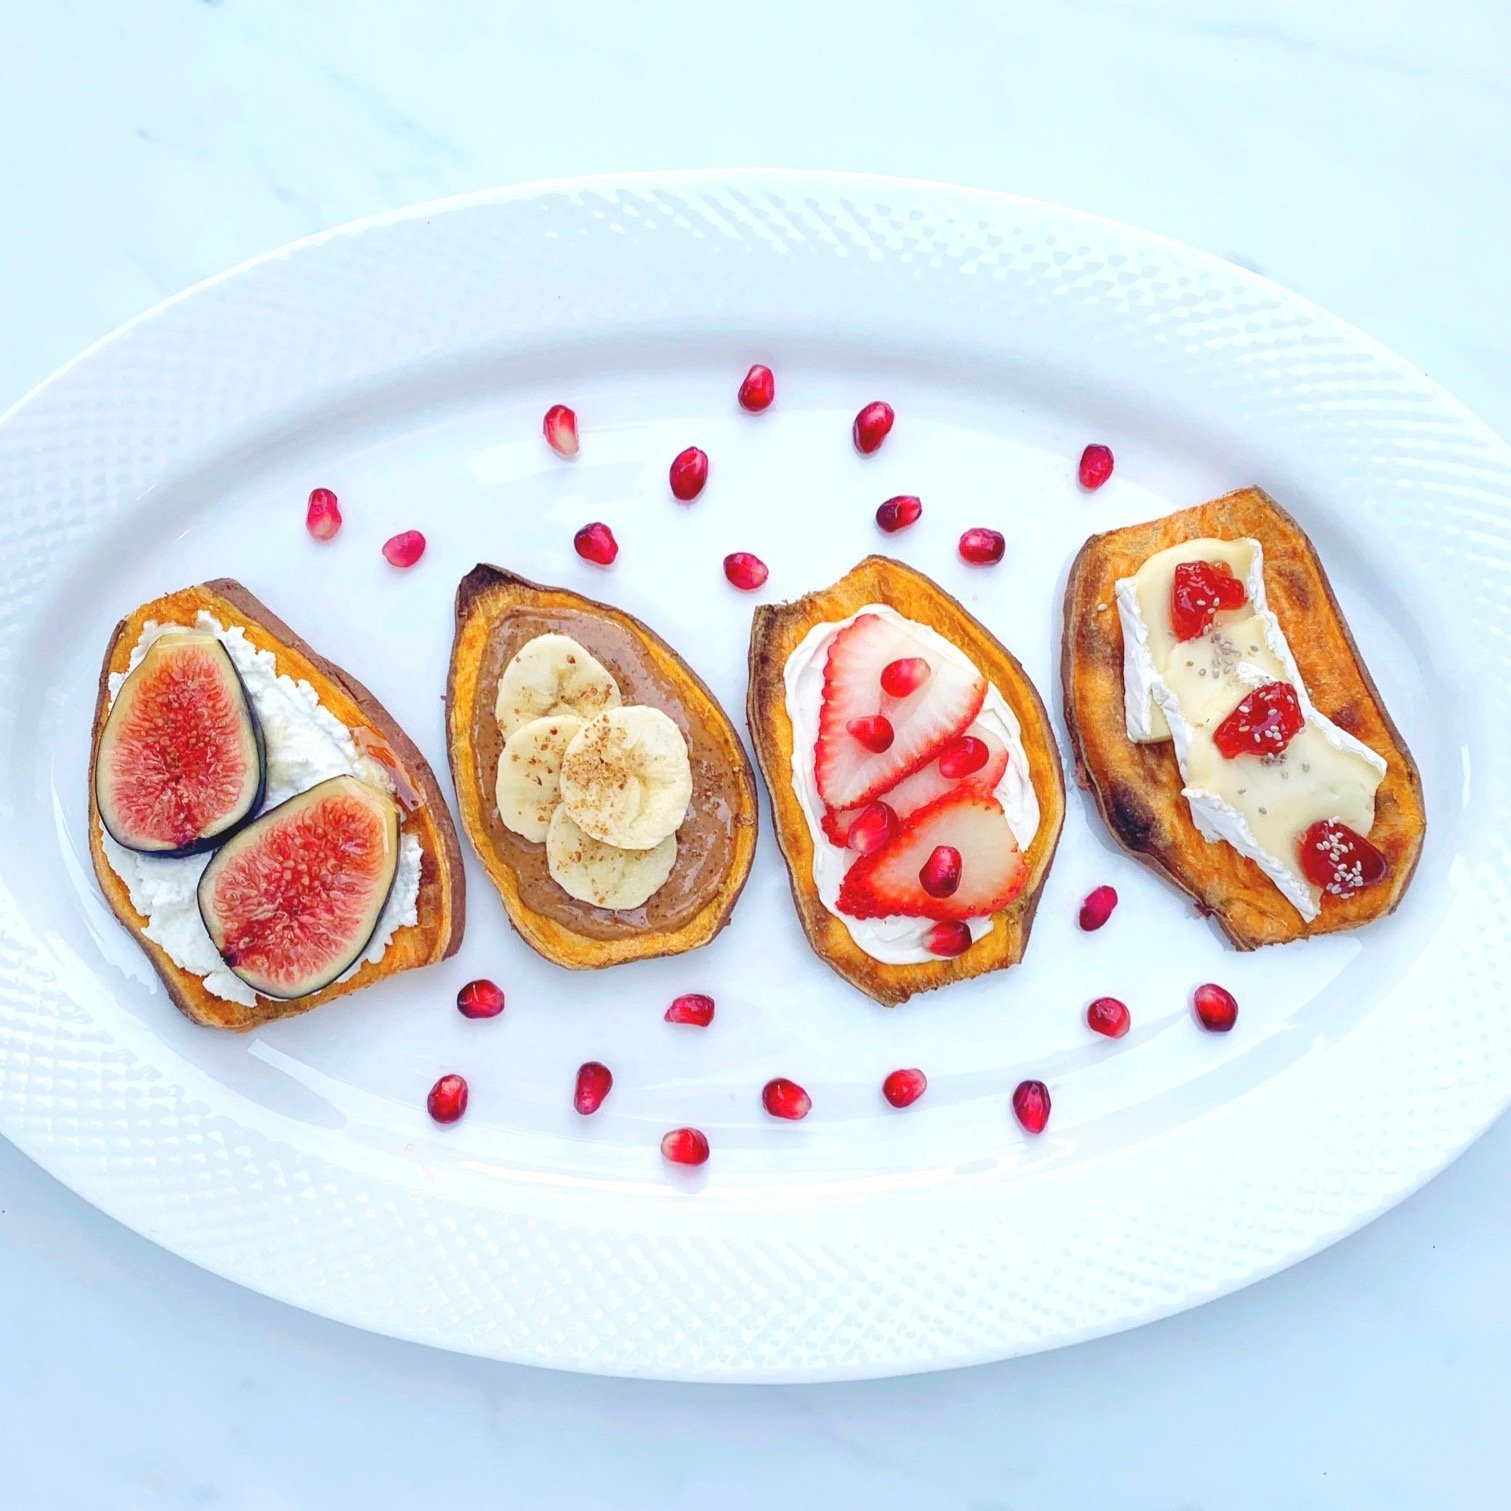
<point>892,941</point>
<point>306,744</point>
<point>1139,674</point>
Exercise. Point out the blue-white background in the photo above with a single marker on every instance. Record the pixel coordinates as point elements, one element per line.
<point>1357,151</point>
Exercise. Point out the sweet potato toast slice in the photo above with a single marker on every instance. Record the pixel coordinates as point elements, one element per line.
<point>1138,787</point>
<point>775,633</point>
<point>441,905</point>
<point>496,613</point>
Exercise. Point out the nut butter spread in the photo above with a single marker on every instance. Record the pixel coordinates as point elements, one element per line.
<point>704,853</point>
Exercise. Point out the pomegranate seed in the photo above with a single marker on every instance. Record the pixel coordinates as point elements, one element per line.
<point>596,543</point>
<point>745,571</point>
<point>939,875</point>
<point>758,389</point>
<point>1095,468</point>
<point>1216,1007</point>
<point>904,1087</point>
<point>1031,1105</point>
<point>875,733</point>
<point>480,999</point>
<point>786,1099</point>
<point>875,825</point>
<point>404,549</point>
<point>689,472</point>
<point>962,757</point>
<point>1097,907</point>
<point>685,1146</point>
<point>872,426</point>
<point>560,430</point>
<point>693,1008</point>
<point>981,547</point>
<point>948,939</point>
<point>899,678</point>
<point>1108,1016</point>
<point>594,1082</point>
<point>447,1100</point>
<point>323,517</point>
<point>898,513</point>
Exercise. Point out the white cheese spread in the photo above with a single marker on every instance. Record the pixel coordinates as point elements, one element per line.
<point>893,941</point>
<point>1182,690</point>
<point>306,744</point>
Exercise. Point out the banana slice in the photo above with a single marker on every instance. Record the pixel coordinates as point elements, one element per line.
<point>528,786</point>
<point>551,675</point>
<point>626,779</point>
<point>604,875</point>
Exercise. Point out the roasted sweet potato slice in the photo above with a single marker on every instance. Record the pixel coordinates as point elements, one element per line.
<point>775,633</point>
<point>497,613</point>
<point>441,906</point>
<point>1138,787</point>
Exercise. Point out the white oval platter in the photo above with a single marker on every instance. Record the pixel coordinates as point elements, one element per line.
<point>406,363</point>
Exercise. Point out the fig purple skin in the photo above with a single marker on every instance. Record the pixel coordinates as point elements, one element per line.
<point>127,754</point>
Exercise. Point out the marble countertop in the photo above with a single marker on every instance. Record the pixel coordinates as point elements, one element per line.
<point>1356,152</point>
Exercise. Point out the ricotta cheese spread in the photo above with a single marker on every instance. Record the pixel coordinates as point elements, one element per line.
<point>1182,690</point>
<point>893,941</point>
<point>305,744</point>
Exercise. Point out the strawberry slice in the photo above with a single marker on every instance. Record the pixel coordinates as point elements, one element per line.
<point>888,882</point>
<point>852,771</point>
<point>928,784</point>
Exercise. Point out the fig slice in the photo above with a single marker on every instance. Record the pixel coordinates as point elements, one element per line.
<point>292,900</point>
<point>180,762</point>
